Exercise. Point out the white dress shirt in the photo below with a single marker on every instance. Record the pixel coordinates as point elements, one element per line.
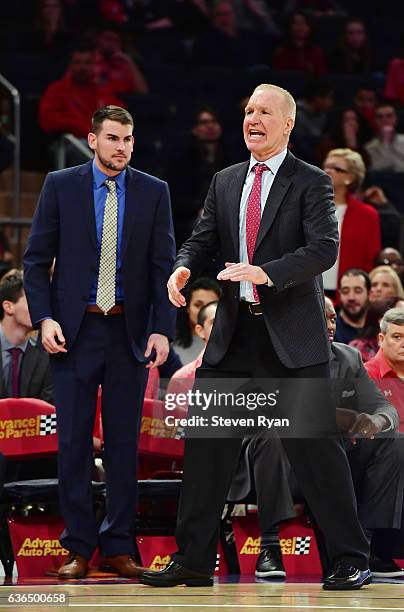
<point>273,163</point>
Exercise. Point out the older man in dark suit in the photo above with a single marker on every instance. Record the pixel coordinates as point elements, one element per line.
<point>272,220</point>
<point>105,318</point>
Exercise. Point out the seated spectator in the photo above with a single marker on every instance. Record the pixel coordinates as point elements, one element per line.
<point>389,361</point>
<point>224,44</point>
<point>391,257</point>
<point>68,104</point>
<point>255,15</point>
<point>312,111</point>
<point>354,287</point>
<point>386,150</point>
<point>390,218</point>
<point>365,102</point>
<point>203,327</point>
<point>344,129</point>
<point>113,67</point>
<point>353,54</point>
<point>385,283</point>
<point>394,82</point>
<point>367,341</point>
<point>190,170</point>
<point>374,461</point>
<point>298,52</point>
<point>47,36</point>
<point>358,223</point>
<point>25,368</point>
<point>188,344</point>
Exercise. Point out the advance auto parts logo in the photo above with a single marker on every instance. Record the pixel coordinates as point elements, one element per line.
<point>40,425</point>
<point>159,562</point>
<point>298,545</point>
<point>36,547</point>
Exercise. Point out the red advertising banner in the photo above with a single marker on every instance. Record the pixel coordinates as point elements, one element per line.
<point>155,436</point>
<point>27,428</point>
<point>297,540</point>
<point>36,546</point>
<point>155,553</point>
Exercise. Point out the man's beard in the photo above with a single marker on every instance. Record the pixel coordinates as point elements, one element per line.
<point>111,165</point>
<point>354,316</point>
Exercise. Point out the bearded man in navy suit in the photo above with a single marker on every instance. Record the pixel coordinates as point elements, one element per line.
<point>104,318</point>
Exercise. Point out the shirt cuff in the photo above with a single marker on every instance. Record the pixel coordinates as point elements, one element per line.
<point>390,420</point>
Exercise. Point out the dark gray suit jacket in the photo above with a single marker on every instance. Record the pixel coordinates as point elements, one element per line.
<point>353,388</point>
<point>35,376</point>
<point>297,241</point>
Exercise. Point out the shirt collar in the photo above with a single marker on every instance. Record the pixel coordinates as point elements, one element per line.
<point>100,177</point>
<point>384,367</point>
<point>6,344</point>
<point>273,163</point>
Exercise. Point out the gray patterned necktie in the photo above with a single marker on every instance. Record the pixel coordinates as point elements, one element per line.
<point>107,271</point>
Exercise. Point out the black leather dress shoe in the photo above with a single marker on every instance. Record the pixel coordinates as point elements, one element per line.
<point>345,577</point>
<point>173,575</point>
<point>269,563</point>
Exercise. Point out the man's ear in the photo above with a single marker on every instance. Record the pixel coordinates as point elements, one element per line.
<point>8,307</point>
<point>380,338</point>
<point>92,140</point>
<point>200,332</point>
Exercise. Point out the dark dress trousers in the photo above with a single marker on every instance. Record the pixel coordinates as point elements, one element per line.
<point>375,464</point>
<point>101,350</point>
<point>297,241</point>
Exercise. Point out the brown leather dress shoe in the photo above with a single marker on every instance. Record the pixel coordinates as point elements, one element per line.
<point>75,566</point>
<point>123,565</point>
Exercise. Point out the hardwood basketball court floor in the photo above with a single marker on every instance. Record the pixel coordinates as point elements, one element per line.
<point>240,593</point>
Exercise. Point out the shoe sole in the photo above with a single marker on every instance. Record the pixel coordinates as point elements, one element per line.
<point>345,587</point>
<point>272,574</point>
<point>61,577</point>
<point>397,574</point>
<point>190,582</point>
<point>111,570</point>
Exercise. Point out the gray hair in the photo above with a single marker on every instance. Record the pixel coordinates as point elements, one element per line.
<point>395,316</point>
<point>289,101</point>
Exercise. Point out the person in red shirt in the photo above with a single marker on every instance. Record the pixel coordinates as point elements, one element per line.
<point>358,223</point>
<point>298,53</point>
<point>387,366</point>
<point>113,66</point>
<point>68,104</point>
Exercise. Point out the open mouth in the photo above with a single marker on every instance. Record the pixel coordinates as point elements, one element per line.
<point>256,134</point>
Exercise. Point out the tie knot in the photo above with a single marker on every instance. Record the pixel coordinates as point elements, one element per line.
<point>110,184</point>
<point>14,350</point>
<point>260,168</point>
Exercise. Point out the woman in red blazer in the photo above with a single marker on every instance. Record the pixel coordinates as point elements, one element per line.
<point>358,223</point>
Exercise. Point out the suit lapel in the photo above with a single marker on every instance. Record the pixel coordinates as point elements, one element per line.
<point>133,211</point>
<point>235,190</point>
<point>27,369</point>
<point>86,194</point>
<point>277,194</point>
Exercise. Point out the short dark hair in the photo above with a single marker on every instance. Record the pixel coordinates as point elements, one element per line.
<point>11,289</point>
<point>114,113</point>
<point>357,272</point>
<point>203,312</point>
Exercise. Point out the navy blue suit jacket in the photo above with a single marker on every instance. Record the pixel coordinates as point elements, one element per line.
<point>64,227</point>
